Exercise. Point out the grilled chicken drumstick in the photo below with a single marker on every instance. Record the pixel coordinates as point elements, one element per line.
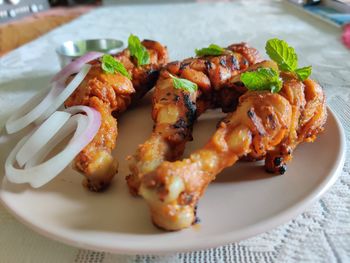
<point>264,124</point>
<point>112,94</point>
<point>175,110</point>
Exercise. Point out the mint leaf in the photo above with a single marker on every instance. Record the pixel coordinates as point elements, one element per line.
<point>262,79</point>
<point>184,84</point>
<point>286,58</point>
<point>284,55</point>
<point>212,50</point>
<point>111,65</point>
<point>303,73</point>
<point>138,51</point>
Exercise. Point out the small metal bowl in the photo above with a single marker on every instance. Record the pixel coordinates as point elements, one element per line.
<point>71,50</point>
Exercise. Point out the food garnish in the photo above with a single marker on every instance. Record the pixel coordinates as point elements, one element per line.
<point>26,163</point>
<point>268,78</point>
<point>75,66</point>
<point>212,50</point>
<point>138,51</point>
<point>262,79</point>
<point>41,106</point>
<point>286,58</point>
<point>30,152</point>
<point>303,73</point>
<point>111,65</point>
<point>184,84</point>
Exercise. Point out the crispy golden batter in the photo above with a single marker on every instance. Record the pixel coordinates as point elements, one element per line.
<point>175,110</point>
<point>112,93</point>
<point>263,125</point>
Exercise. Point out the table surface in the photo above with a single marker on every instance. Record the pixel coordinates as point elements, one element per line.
<point>17,33</point>
<point>322,233</point>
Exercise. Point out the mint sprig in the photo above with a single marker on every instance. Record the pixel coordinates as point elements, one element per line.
<point>138,51</point>
<point>268,78</point>
<point>282,54</point>
<point>303,73</point>
<point>183,84</point>
<point>212,50</point>
<point>286,58</point>
<point>262,79</point>
<point>111,65</point>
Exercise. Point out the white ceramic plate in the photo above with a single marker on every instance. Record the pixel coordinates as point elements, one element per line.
<point>242,202</point>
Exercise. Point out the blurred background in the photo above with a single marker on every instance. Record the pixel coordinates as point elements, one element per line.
<point>24,20</point>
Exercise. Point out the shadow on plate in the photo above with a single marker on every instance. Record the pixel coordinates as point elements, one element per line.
<point>243,171</point>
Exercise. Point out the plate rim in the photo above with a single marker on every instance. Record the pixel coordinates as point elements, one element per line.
<point>215,240</point>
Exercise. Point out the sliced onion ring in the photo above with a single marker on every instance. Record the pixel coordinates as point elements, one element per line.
<point>32,111</point>
<point>76,65</point>
<point>54,141</point>
<point>25,109</point>
<point>92,127</point>
<point>41,136</point>
<point>85,127</point>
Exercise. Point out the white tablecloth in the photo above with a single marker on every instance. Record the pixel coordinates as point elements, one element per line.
<point>321,234</point>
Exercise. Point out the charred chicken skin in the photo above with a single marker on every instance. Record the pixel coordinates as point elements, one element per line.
<point>111,94</point>
<point>175,110</point>
<point>264,125</point>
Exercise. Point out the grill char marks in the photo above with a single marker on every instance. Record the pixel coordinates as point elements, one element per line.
<point>190,109</point>
<point>175,110</point>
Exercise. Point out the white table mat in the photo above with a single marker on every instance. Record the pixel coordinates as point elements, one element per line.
<point>321,234</point>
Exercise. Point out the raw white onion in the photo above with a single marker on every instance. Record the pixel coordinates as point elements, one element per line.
<point>76,65</point>
<point>32,110</point>
<point>41,136</point>
<point>12,123</point>
<point>92,127</point>
<point>54,141</point>
<point>65,92</point>
<point>38,174</point>
<point>27,161</point>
